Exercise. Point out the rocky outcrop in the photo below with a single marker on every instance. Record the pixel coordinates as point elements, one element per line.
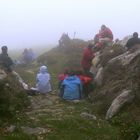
<point>124,40</point>
<point>20,80</point>
<point>126,58</point>
<point>99,77</point>
<point>3,75</point>
<point>125,97</point>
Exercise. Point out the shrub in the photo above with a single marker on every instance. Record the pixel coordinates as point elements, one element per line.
<point>12,98</point>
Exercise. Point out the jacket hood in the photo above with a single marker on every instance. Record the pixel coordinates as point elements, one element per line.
<point>43,69</point>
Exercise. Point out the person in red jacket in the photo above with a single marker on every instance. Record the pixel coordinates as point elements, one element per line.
<point>105,37</point>
<point>87,57</point>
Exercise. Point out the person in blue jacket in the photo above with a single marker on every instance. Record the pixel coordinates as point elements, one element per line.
<point>71,87</point>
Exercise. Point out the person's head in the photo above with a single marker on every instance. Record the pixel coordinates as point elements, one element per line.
<point>4,49</point>
<point>43,69</point>
<point>71,72</point>
<point>103,27</point>
<point>135,35</point>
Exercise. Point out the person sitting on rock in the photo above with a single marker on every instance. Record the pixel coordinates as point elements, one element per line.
<point>5,61</point>
<point>133,41</point>
<point>43,80</point>
<point>105,37</point>
<point>71,87</point>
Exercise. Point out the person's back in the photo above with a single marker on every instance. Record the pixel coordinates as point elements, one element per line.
<point>87,58</point>
<point>72,88</point>
<point>43,80</point>
<point>5,60</point>
<point>133,41</point>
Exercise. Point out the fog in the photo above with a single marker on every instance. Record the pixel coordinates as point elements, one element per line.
<point>35,23</point>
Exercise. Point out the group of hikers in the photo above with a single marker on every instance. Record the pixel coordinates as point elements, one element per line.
<point>28,56</point>
<point>73,84</point>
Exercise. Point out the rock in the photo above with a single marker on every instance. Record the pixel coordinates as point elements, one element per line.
<point>124,40</point>
<point>96,59</point>
<point>125,97</point>
<point>20,80</point>
<point>126,58</point>
<point>3,75</point>
<point>88,116</point>
<point>138,138</point>
<point>99,76</point>
<point>36,131</point>
<point>11,128</point>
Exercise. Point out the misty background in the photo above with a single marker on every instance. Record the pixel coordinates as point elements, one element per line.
<point>36,23</point>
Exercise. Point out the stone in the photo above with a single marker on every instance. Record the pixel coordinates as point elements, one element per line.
<point>3,75</point>
<point>88,116</point>
<point>125,97</point>
<point>99,76</point>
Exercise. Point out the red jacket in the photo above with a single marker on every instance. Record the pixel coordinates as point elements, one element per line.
<point>85,79</point>
<point>62,76</point>
<point>87,58</point>
<point>106,33</point>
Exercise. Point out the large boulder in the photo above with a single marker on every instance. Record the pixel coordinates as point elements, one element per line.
<point>3,74</point>
<point>124,40</point>
<point>127,57</point>
<point>99,76</point>
<point>125,97</point>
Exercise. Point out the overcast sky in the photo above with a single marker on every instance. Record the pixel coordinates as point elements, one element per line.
<point>27,23</point>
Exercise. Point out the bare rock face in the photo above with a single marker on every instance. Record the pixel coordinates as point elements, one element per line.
<point>99,76</point>
<point>125,97</point>
<point>124,40</point>
<point>126,58</point>
<point>3,75</point>
<point>138,138</point>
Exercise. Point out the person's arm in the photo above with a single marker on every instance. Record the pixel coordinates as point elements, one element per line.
<point>49,79</point>
<point>128,44</point>
<point>62,90</point>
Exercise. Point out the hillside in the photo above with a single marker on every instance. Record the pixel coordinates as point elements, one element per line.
<point>120,72</point>
<point>68,56</point>
<point>116,78</point>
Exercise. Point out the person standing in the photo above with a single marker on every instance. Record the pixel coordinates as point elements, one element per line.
<point>133,41</point>
<point>5,61</point>
<point>87,57</point>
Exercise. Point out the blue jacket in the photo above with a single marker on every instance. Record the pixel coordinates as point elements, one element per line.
<point>72,88</point>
